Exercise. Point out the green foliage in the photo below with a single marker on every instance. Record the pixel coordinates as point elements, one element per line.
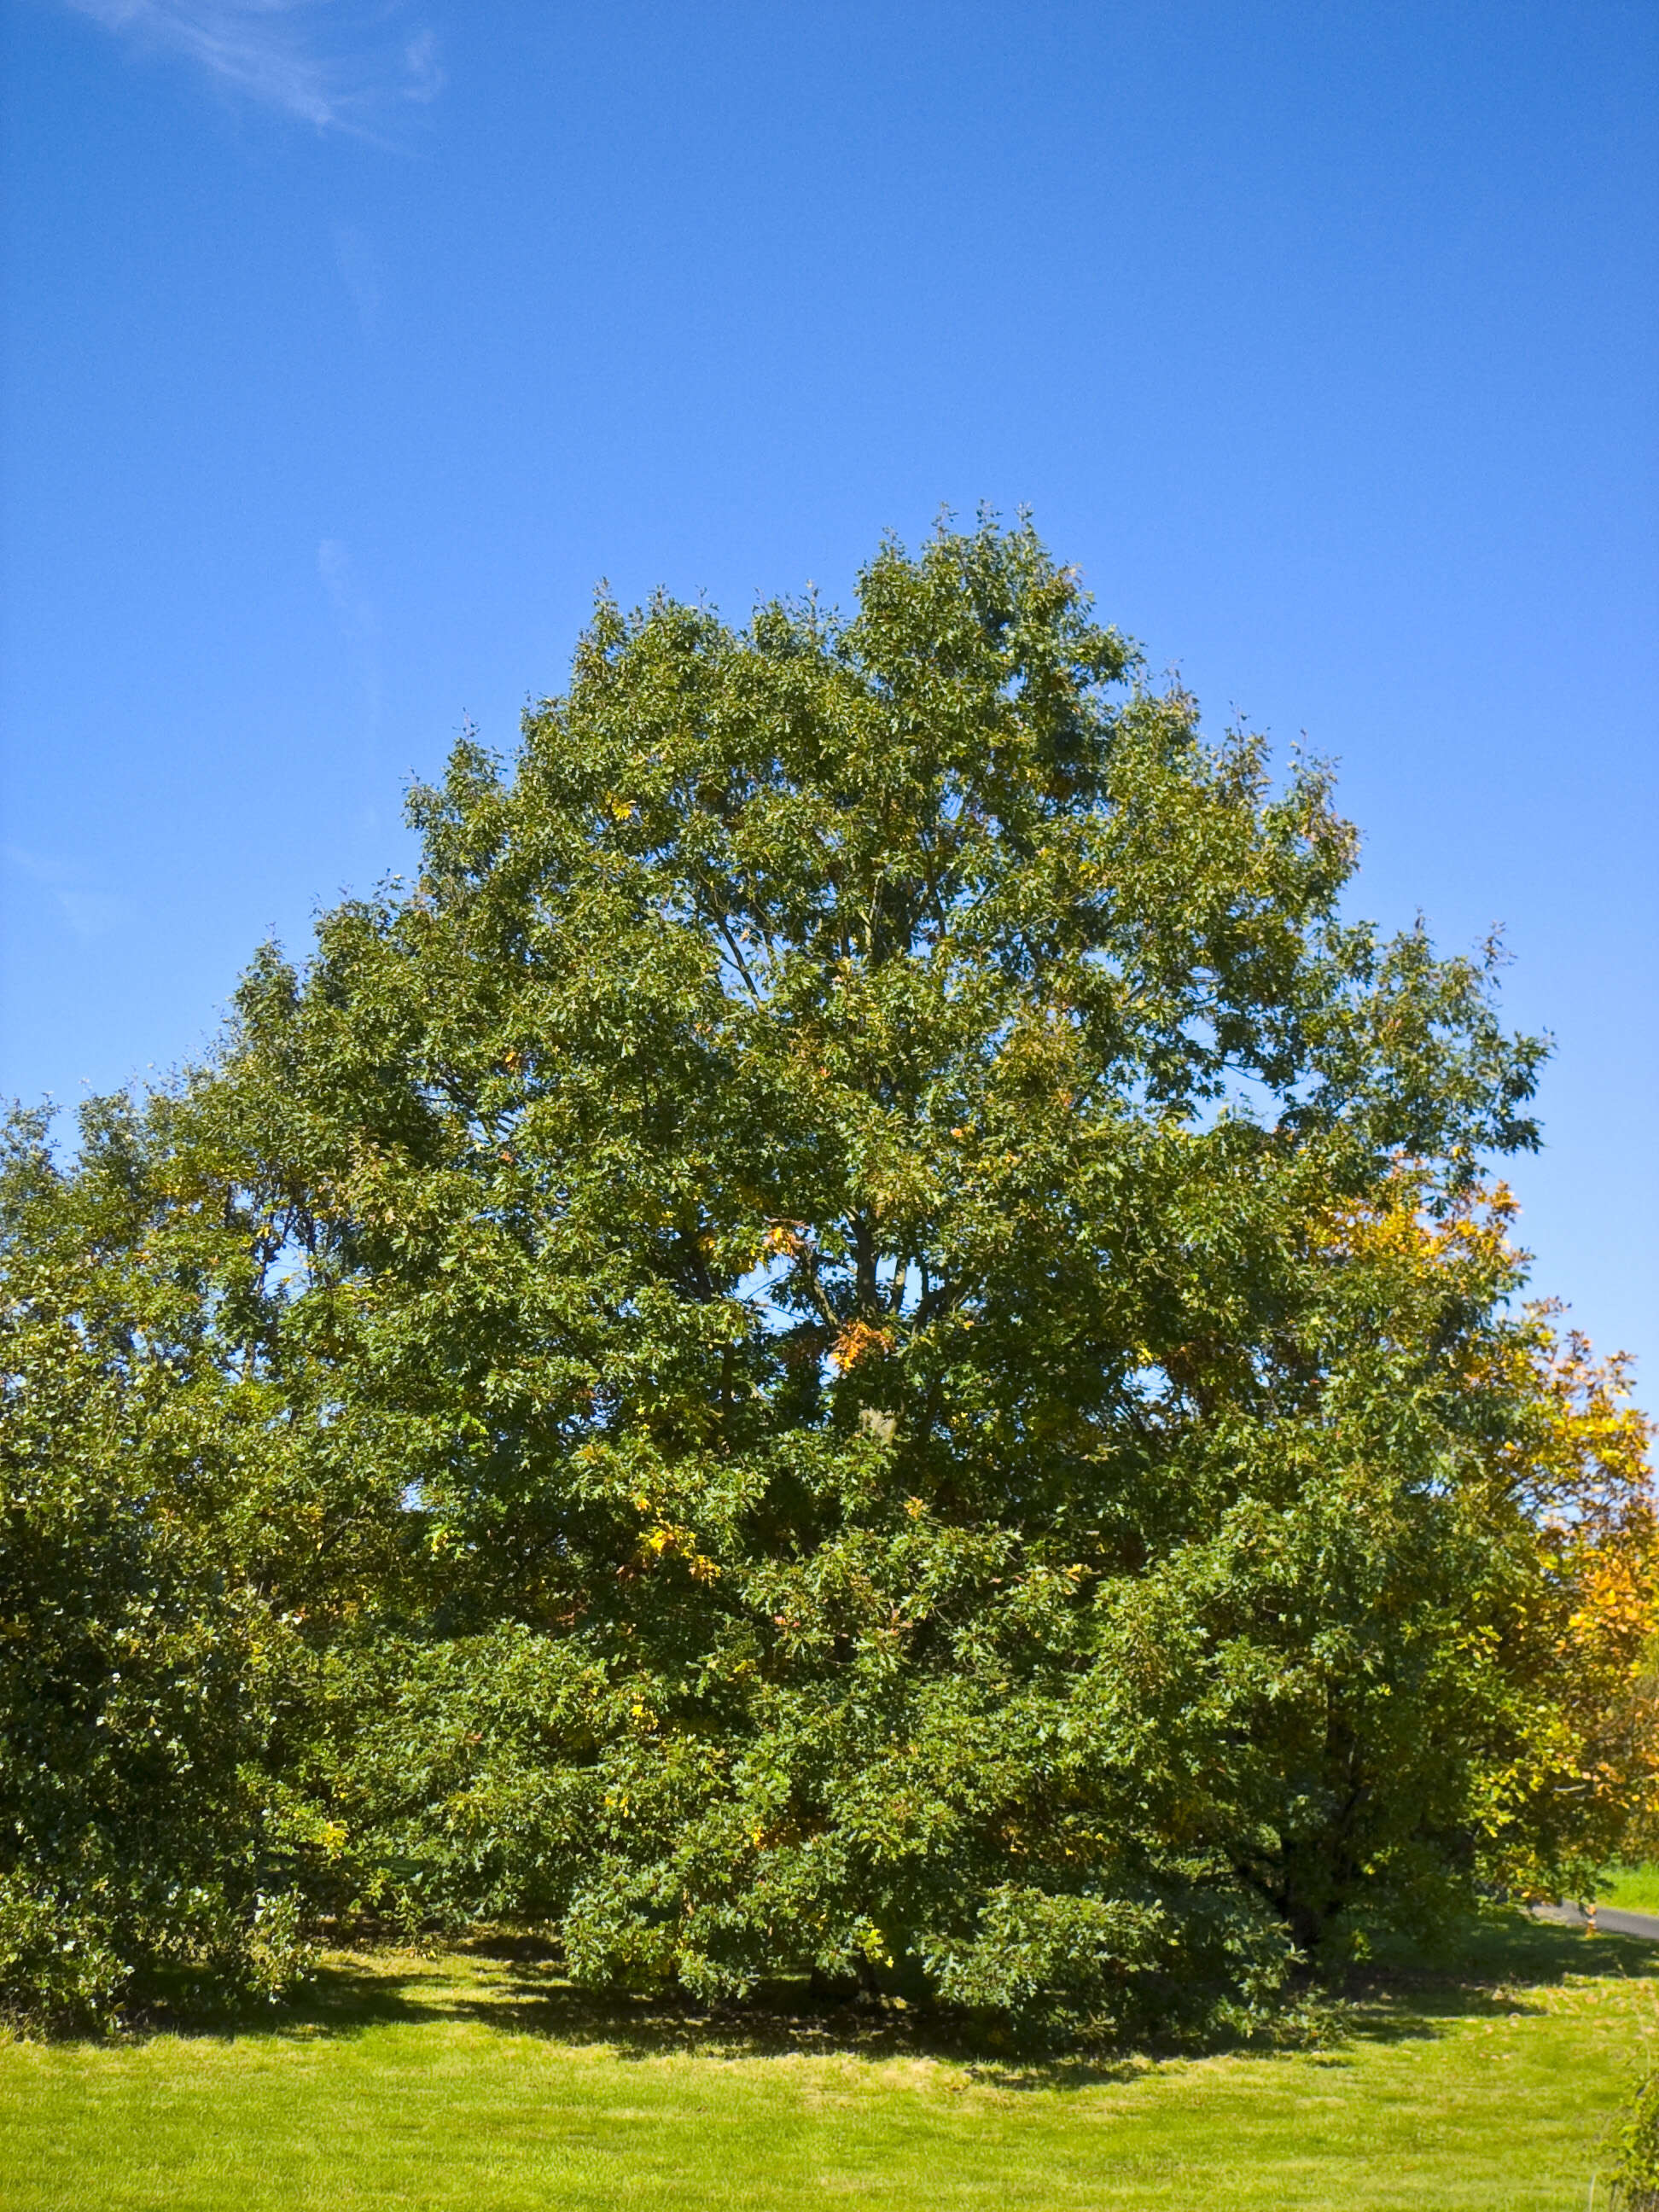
<point>860,1337</point>
<point>1636,2162</point>
<point>139,1680</point>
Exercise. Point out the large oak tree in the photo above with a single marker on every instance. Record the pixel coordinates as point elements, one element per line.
<point>891,1356</point>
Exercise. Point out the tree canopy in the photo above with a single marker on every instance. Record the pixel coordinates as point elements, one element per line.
<point>860,1336</point>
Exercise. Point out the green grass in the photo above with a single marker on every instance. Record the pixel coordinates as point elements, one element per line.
<point>1632,1889</point>
<point>478,2081</point>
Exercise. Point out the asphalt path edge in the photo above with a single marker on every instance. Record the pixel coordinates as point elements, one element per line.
<point>1607,1917</point>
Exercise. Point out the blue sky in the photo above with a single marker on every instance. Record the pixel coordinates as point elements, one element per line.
<point>347,346</point>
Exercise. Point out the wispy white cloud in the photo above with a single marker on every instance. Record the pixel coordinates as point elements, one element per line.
<point>335,64</point>
<point>359,620</point>
<point>359,271</point>
<point>90,911</point>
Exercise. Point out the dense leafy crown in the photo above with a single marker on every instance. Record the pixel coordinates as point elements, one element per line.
<point>878,1345</point>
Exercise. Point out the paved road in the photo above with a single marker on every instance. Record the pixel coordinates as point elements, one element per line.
<point>1644,1924</point>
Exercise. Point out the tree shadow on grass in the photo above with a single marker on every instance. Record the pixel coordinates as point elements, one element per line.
<point>518,1986</point>
<point>1485,1963</point>
<point>1493,1968</point>
<point>514,1983</point>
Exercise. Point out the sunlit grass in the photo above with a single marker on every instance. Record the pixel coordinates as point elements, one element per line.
<point>1632,1889</point>
<point>480,2082</point>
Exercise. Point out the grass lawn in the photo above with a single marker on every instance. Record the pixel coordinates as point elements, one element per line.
<point>477,2081</point>
<point>1632,1889</point>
